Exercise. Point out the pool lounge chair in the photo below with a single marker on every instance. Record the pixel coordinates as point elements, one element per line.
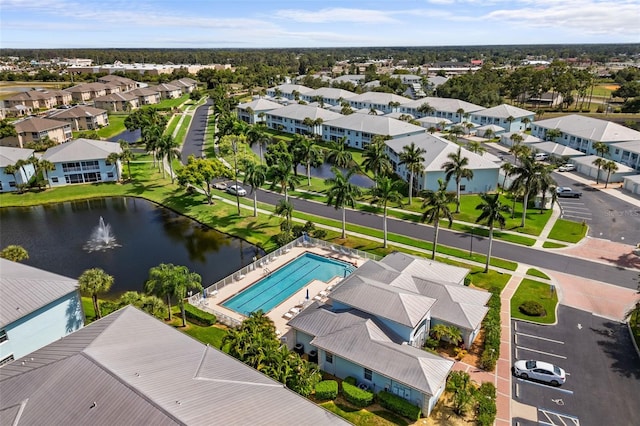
<point>287,315</point>
<point>295,311</point>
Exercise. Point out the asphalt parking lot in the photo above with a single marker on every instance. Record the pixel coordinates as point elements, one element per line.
<point>603,370</point>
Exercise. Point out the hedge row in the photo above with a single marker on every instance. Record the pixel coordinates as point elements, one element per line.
<point>486,408</point>
<point>327,389</point>
<point>356,396</point>
<point>198,316</point>
<point>399,406</point>
<point>491,324</point>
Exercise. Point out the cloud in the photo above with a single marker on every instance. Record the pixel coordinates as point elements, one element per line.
<point>367,16</point>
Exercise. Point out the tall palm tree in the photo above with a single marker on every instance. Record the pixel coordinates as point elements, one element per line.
<point>257,135</point>
<point>488,134</point>
<point>600,162</point>
<point>113,158</point>
<point>284,209</point>
<point>173,281</point>
<point>169,148</point>
<point>507,168</point>
<point>309,154</point>
<point>492,209</point>
<point>375,158</point>
<point>437,207</point>
<point>516,138</point>
<point>151,137</point>
<point>601,148</point>
<point>425,109</point>
<point>476,147</point>
<point>457,166</point>
<point>126,155</point>
<point>282,175</point>
<point>412,157</point>
<point>93,282</point>
<point>386,190</point>
<point>342,193</point>
<point>255,175</point>
<point>45,166</point>
<point>158,283</point>
<point>520,151</point>
<point>528,177</point>
<point>547,185</point>
<point>609,167</point>
<point>338,155</point>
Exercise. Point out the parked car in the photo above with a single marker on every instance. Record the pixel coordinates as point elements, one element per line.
<point>236,190</point>
<point>540,156</point>
<point>220,185</point>
<point>566,192</point>
<point>539,370</point>
<point>566,168</point>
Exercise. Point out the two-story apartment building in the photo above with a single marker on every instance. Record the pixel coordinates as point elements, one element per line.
<point>359,129</point>
<point>146,96</point>
<point>508,117</point>
<point>125,84</point>
<point>186,85</point>
<point>292,92</point>
<point>34,99</point>
<point>454,110</point>
<point>255,111</point>
<point>326,96</point>
<point>117,102</point>
<point>380,101</point>
<point>36,308</point>
<point>82,117</point>
<point>10,156</point>
<point>87,92</point>
<point>299,119</point>
<point>168,91</point>
<point>34,129</point>
<point>83,161</point>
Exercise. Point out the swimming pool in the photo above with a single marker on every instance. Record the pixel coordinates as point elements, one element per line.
<point>272,290</point>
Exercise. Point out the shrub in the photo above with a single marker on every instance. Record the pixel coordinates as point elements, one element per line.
<point>356,396</point>
<point>491,324</point>
<point>532,308</point>
<point>399,405</point>
<point>351,380</point>
<point>467,281</point>
<point>431,343</point>
<point>198,316</point>
<point>327,389</point>
<point>486,408</point>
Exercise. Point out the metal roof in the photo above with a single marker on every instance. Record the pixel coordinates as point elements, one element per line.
<point>10,156</point>
<point>81,149</point>
<point>299,112</point>
<point>330,93</point>
<point>260,104</point>
<point>380,98</point>
<point>504,111</point>
<point>590,128</point>
<point>374,124</point>
<point>443,104</point>
<point>131,365</point>
<point>25,289</point>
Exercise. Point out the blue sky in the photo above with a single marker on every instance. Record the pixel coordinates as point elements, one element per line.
<point>311,23</point>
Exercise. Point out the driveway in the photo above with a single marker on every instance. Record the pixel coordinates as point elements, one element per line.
<point>194,140</point>
<point>603,381</point>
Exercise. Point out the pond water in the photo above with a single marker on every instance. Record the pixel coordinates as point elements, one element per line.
<point>130,136</point>
<point>57,236</point>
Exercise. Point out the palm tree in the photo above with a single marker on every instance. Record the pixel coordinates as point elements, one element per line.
<point>14,253</point>
<point>507,168</point>
<point>46,166</point>
<point>375,158</point>
<point>528,177</point>
<point>459,384</point>
<point>255,175</point>
<point>492,209</point>
<point>488,134</point>
<point>126,155</point>
<point>173,281</point>
<point>600,162</point>
<point>342,193</point>
<point>411,157</point>
<point>476,147</point>
<point>601,148</point>
<point>308,153</point>
<point>373,111</point>
<point>169,148</point>
<point>516,138</point>
<point>386,190</point>
<point>257,135</point>
<point>553,134</point>
<point>425,109</point>
<point>284,209</point>
<point>158,283</point>
<point>338,155</point>
<point>113,158</point>
<point>547,185</point>
<point>437,207</point>
<point>95,281</point>
<point>457,166</point>
<point>282,175</point>
<point>520,151</point>
<point>610,167</point>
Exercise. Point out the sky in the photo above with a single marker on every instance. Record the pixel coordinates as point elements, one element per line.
<point>312,23</point>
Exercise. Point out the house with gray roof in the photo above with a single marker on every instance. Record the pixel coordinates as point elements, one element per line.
<point>291,119</point>
<point>632,184</point>
<point>585,166</point>
<point>253,112</point>
<point>485,170</point>
<point>359,129</point>
<point>627,153</point>
<point>83,161</point>
<point>377,319</point>
<point>355,79</point>
<point>36,308</point>
<point>581,132</point>
<point>10,156</point>
<point>88,91</point>
<point>555,150</point>
<point>385,102</point>
<point>130,368</point>
<point>509,117</point>
<point>451,109</point>
<point>326,96</point>
<point>288,91</point>
<point>125,84</point>
<point>82,117</point>
<point>186,85</point>
<point>506,138</point>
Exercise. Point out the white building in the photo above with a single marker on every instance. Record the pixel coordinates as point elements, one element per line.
<point>451,109</point>
<point>385,102</point>
<point>83,161</point>
<point>359,129</point>
<point>254,111</point>
<point>510,118</point>
<point>291,119</point>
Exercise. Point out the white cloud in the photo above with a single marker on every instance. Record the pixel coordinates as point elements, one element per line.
<point>367,16</point>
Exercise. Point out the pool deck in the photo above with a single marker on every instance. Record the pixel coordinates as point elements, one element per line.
<point>297,300</point>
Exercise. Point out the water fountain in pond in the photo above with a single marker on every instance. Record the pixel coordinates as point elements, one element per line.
<point>101,238</point>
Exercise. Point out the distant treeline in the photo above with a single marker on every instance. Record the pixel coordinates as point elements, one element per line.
<point>305,60</point>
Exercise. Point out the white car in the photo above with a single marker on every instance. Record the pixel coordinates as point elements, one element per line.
<point>567,168</point>
<point>236,190</point>
<point>220,185</point>
<point>539,370</point>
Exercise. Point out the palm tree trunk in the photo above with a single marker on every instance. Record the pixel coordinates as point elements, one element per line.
<point>524,208</point>
<point>308,174</point>
<point>184,314</point>
<point>410,186</point>
<point>95,305</point>
<point>255,203</point>
<point>458,197</point>
<point>129,169</point>
<point>598,176</point>
<point>344,222</point>
<point>384,227</point>
<point>435,239</point>
<point>169,306</point>
<point>486,265</point>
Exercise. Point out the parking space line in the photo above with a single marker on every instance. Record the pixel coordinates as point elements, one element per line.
<point>561,417</point>
<point>567,391</point>
<point>541,338</point>
<point>541,352</point>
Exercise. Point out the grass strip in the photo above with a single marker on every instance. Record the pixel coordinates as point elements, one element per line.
<point>539,292</point>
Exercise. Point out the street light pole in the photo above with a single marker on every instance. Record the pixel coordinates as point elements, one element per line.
<point>471,245</point>
<point>234,146</point>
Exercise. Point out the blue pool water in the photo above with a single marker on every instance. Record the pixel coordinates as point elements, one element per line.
<point>272,290</point>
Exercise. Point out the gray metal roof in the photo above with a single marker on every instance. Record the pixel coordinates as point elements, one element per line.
<point>443,104</point>
<point>380,98</point>
<point>374,124</point>
<point>289,88</point>
<point>81,149</point>
<point>362,339</point>
<point>10,155</point>
<point>133,365</point>
<point>260,104</point>
<point>590,128</point>
<point>588,160</point>
<point>556,149</point>
<point>299,112</point>
<point>25,289</point>
<point>632,146</point>
<point>330,93</point>
<point>425,268</point>
<point>504,111</point>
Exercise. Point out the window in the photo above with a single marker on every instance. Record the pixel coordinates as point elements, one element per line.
<point>3,336</point>
<point>6,360</point>
<point>110,175</point>
<point>328,357</point>
<point>463,188</point>
<point>368,374</point>
<point>54,180</point>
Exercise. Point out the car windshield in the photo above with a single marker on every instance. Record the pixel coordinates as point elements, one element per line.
<point>557,370</point>
<point>530,365</point>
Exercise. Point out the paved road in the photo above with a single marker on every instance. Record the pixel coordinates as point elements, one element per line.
<point>193,142</point>
<point>543,259</point>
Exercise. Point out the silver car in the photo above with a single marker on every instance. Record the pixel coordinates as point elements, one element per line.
<point>236,190</point>
<point>539,370</point>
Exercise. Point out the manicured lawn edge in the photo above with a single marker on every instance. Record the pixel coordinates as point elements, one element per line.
<point>539,292</point>
<point>569,231</point>
<point>552,245</point>
<point>536,273</point>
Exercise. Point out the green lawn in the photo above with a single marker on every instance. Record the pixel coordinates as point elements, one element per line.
<point>116,126</point>
<point>182,132</point>
<point>634,321</point>
<point>552,245</point>
<point>539,292</point>
<point>171,126</point>
<point>569,231</point>
<point>172,103</point>
<point>535,273</point>
<point>209,335</point>
<point>363,417</point>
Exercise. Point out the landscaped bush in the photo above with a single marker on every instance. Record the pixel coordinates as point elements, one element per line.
<point>486,408</point>
<point>350,380</point>
<point>532,308</point>
<point>356,396</point>
<point>198,316</point>
<point>327,389</point>
<point>399,405</point>
<point>491,324</point>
